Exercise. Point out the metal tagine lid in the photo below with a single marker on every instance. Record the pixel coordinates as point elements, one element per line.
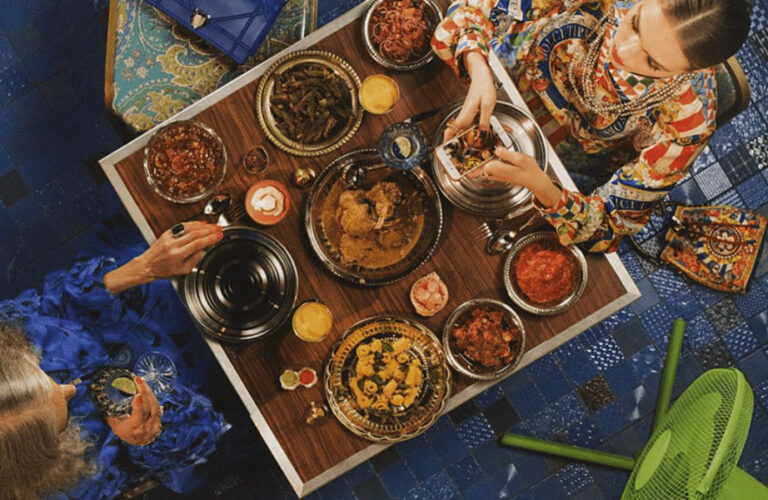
<point>244,288</point>
<point>490,198</point>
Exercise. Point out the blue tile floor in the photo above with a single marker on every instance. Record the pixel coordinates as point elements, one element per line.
<point>598,390</point>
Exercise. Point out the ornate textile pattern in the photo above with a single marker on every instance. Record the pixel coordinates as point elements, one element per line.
<point>647,154</point>
<point>160,69</point>
<point>716,246</point>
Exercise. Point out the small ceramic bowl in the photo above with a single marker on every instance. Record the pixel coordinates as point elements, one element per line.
<point>262,210</point>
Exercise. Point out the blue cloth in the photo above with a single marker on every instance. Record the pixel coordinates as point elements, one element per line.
<point>78,326</point>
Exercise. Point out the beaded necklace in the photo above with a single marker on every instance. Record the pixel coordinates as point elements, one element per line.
<point>588,97</point>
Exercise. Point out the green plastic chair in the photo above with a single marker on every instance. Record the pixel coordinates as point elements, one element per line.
<point>695,445</point>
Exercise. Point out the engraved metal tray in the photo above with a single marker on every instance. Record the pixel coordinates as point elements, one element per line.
<point>267,85</point>
<point>485,197</point>
<point>393,425</point>
<point>330,256</point>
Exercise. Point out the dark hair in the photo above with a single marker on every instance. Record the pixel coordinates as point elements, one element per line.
<point>710,31</point>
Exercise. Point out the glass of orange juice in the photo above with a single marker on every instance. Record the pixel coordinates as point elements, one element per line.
<point>312,321</point>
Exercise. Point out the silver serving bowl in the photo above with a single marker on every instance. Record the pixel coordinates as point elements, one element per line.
<point>436,16</point>
<point>244,288</point>
<point>491,198</point>
<point>210,188</point>
<point>466,366</point>
<point>517,296</point>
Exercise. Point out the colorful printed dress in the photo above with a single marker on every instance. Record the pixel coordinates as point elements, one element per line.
<point>627,164</point>
<point>78,327</point>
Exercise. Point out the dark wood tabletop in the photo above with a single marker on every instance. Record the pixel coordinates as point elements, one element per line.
<point>459,259</point>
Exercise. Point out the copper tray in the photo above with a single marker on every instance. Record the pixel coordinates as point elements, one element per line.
<point>266,87</point>
<point>394,425</point>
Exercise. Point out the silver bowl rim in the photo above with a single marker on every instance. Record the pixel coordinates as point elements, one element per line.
<point>197,197</point>
<point>520,301</point>
<point>452,357</point>
<point>410,66</point>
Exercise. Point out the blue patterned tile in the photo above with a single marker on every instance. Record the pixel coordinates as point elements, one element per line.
<point>759,18</point>
<point>527,401</point>
<point>465,473</point>
<point>610,419</point>
<point>569,409</point>
<point>543,425</point>
<point>448,446</point>
<point>371,488</point>
<point>688,192</point>
<point>549,378</point>
<point>441,485</point>
<point>759,326</point>
<point>758,150</point>
<point>730,197</point>
<point>754,367</point>
<point>738,165</point>
<point>754,191</point>
<point>712,181</point>
<point>565,351</point>
<point>749,124</point>
<point>631,337</point>
<point>491,455</point>
<point>648,296</point>
<point>699,332</point>
<point>647,362</point>
<point>489,396</point>
<point>584,433</point>
<point>688,370</point>
<point>706,296</point>
<point>617,319</point>
<point>501,416</point>
<point>723,141</point>
<point>475,430</point>
<point>14,81</point>
<point>621,378</point>
<point>627,442</point>
<point>657,322</point>
<point>336,489</point>
<point>715,355</point>
<point>423,463</point>
<point>397,479</point>
<point>605,354</point>
<point>631,262</point>
<point>480,491</point>
<point>761,393</point>
<point>724,316</point>
<point>579,368</point>
<point>705,159</point>
<point>508,482</point>
<point>611,481</point>
<point>740,341</point>
<point>574,478</point>
<point>412,445</point>
<point>752,302</point>
<point>683,305</point>
<point>666,282</point>
<point>755,69</point>
<point>549,488</point>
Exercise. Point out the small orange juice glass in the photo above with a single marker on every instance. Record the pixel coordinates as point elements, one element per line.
<point>312,321</point>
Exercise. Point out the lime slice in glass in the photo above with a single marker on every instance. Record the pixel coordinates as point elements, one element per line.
<point>124,385</point>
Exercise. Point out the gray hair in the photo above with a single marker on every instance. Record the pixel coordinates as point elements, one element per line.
<point>35,458</point>
<point>710,31</point>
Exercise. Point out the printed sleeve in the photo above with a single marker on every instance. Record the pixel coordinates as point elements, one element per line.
<point>622,206</point>
<point>466,27</point>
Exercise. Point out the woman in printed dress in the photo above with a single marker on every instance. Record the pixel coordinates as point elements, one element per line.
<point>623,89</point>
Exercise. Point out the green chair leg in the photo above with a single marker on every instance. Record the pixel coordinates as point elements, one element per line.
<point>670,369</point>
<point>568,451</point>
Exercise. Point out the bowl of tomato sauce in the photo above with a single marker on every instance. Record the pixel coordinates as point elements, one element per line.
<point>185,161</point>
<point>543,276</point>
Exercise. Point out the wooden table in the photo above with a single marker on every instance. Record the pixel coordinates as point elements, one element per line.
<point>312,456</point>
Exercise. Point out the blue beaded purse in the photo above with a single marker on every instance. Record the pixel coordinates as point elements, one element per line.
<point>236,27</point>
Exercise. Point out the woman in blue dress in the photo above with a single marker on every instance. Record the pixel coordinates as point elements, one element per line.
<point>53,440</point>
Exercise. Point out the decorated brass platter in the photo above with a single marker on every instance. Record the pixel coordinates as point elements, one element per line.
<point>401,376</point>
<point>307,102</point>
<point>370,224</point>
<point>492,198</point>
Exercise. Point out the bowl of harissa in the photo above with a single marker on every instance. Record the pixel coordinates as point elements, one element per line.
<point>397,33</point>
<point>543,276</point>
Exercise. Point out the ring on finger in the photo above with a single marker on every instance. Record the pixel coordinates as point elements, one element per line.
<point>177,231</point>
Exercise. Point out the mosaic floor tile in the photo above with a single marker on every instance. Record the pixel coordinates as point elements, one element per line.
<point>579,368</point>
<point>584,433</point>
<point>565,351</point>
<point>464,473</point>
<point>489,396</point>
<point>759,326</point>
<point>610,419</point>
<point>758,150</point>
<point>699,332</point>
<point>481,491</point>
<point>385,459</point>
<point>621,378</point>
<point>550,489</point>
<point>544,425</point>
<point>666,282</point>
<point>528,401</point>
<point>648,297</point>
<point>726,139</point>
<point>647,362</point>
<point>501,416</point>
<point>12,188</point>
<point>605,354</point>
<point>371,488</point>
<point>724,316</point>
<point>440,485</point>
<point>683,305</point>
<point>740,341</point>
<point>549,378</point>
<point>749,124</point>
<point>475,430</point>
<point>574,478</point>
<point>491,455</point>
<point>730,197</point>
<point>359,474</point>
<point>423,463</point>
<point>755,69</point>
<point>752,302</point>
<point>569,409</point>
<point>715,355</point>
<point>611,482</point>
<point>633,265</point>
<point>754,191</point>
<point>761,393</point>
<point>631,337</point>
<point>755,367</point>
<point>336,489</point>
<point>463,412</point>
<point>397,479</point>
<point>596,393</point>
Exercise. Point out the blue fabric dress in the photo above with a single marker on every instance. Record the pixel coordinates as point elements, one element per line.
<point>79,327</point>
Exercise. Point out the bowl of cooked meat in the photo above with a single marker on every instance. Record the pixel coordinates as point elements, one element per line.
<point>185,161</point>
<point>397,33</point>
<point>542,276</point>
<point>484,339</point>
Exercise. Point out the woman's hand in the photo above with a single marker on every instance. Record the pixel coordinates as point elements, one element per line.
<point>142,426</point>
<point>481,96</point>
<point>170,255</point>
<point>521,169</point>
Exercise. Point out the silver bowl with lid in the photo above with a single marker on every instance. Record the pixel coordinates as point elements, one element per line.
<point>431,9</point>
<point>519,298</point>
<point>244,288</point>
<point>485,197</point>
